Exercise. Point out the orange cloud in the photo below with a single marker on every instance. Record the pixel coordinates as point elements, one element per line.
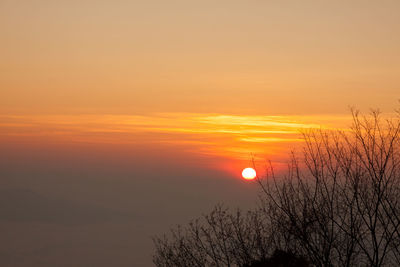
<point>231,138</point>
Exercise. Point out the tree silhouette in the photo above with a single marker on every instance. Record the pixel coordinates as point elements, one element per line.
<point>337,205</point>
<point>281,258</point>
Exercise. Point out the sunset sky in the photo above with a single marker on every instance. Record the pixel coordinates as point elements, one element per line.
<point>120,119</point>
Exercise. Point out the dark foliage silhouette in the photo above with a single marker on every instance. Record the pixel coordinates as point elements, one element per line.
<point>337,205</point>
<point>281,258</point>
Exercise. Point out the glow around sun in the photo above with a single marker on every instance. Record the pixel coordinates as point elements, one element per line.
<point>249,174</point>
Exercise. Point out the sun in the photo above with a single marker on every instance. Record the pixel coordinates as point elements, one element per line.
<point>249,174</point>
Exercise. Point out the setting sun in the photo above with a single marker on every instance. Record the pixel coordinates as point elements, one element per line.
<point>249,174</point>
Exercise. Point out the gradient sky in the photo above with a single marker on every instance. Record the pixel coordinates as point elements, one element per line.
<point>120,119</point>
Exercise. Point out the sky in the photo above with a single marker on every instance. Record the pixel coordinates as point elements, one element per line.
<point>120,119</point>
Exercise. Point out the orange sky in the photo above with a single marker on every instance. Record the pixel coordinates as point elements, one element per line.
<point>227,142</point>
<point>230,57</point>
<point>194,73</point>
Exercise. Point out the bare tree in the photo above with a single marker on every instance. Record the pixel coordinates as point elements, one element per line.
<point>220,238</point>
<point>339,201</point>
<point>337,205</point>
